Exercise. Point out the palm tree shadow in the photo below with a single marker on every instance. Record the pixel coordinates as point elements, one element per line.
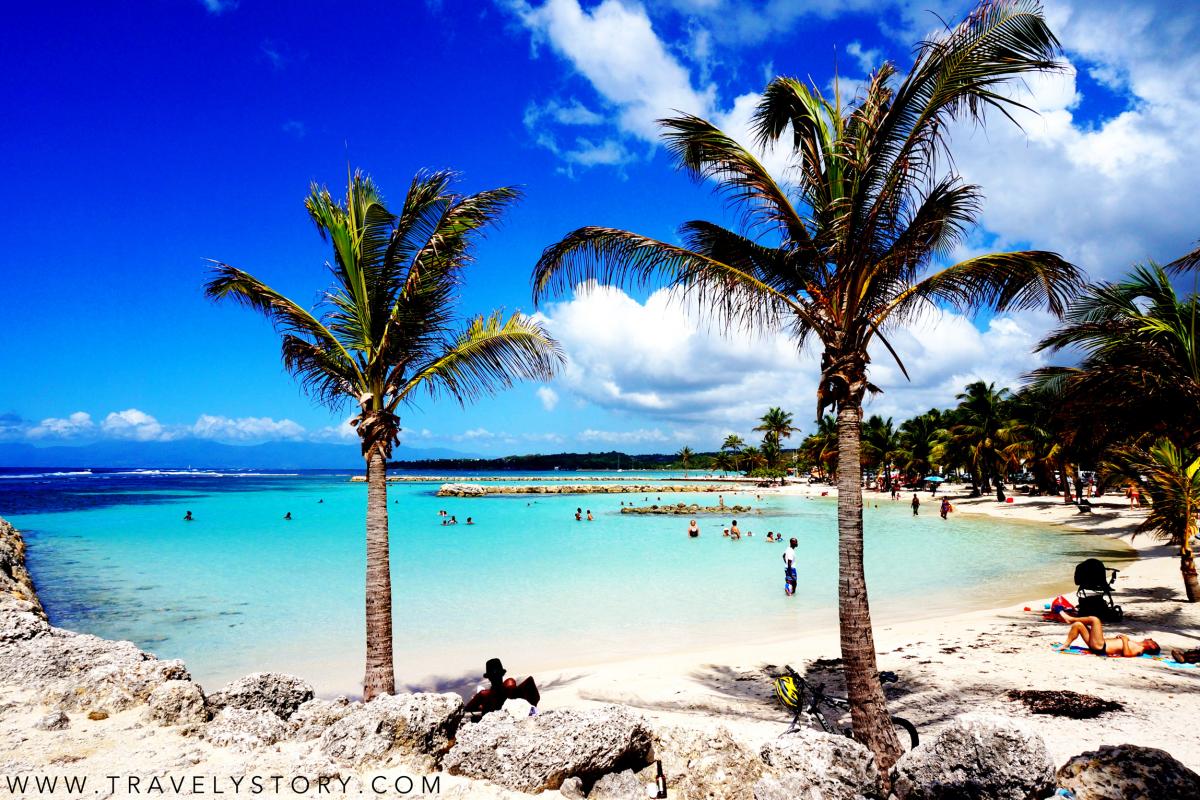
<point>466,684</point>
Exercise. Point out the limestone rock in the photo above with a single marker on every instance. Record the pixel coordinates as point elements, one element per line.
<point>572,789</point>
<point>17,624</point>
<point>618,786</point>
<point>976,756</point>
<point>177,703</point>
<point>313,718</point>
<point>413,729</point>
<point>538,753</point>
<point>55,721</point>
<point>15,583</point>
<point>704,765</point>
<point>245,729</point>
<point>819,764</point>
<point>1115,773</point>
<point>269,691</point>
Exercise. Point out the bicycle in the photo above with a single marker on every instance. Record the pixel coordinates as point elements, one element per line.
<point>791,689</point>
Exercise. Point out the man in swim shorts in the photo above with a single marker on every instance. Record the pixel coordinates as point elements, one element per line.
<point>1091,631</point>
<point>789,567</point>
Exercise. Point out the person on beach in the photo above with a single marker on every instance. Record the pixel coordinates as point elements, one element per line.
<point>789,568</point>
<point>693,530</point>
<point>945,507</point>
<point>1091,631</point>
<point>499,690</point>
<point>916,503</point>
<point>188,517</point>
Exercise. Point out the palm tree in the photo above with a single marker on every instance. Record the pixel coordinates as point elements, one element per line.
<point>386,329</point>
<point>842,255</point>
<point>724,461</point>
<point>983,416</point>
<point>752,459</point>
<point>919,439</point>
<point>776,425</point>
<point>880,446</point>
<point>685,458</point>
<point>820,447</point>
<point>733,445</point>
<point>1172,483</point>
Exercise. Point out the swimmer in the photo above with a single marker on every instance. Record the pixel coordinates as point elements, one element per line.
<point>288,515</point>
<point>188,517</point>
<point>589,515</point>
<point>470,521</point>
<point>693,530</point>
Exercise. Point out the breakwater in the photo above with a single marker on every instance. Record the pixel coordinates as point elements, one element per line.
<point>684,509</point>
<point>543,478</point>
<point>472,490</point>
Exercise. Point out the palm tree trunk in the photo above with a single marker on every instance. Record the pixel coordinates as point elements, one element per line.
<point>868,707</point>
<point>380,676</point>
<point>1187,566</point>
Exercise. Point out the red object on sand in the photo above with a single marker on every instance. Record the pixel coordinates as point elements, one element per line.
<point>1008,500</point>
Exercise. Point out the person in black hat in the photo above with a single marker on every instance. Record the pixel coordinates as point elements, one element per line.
<point>494,696</point>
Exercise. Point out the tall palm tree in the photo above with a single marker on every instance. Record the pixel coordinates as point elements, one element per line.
<point>685,458</point>
<point>880,446</point>
<point>843,253</point>
<point>820,447</point>
<point>1172,484</point>
<point>386,330</point>
<point>752,459</point>
<point>776,425</point>
<point>983,416</point>
<point>733,445</point>
<point>919,439</point>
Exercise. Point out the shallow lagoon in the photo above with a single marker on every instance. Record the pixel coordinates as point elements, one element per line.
<point>241,589</point>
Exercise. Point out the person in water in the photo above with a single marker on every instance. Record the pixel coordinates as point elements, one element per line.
<point>1091,631</point>
<point>322,500</point>
<point>693,530</point>
<point>470,521</point>
<point>734,530</point>
<point>945,507</point>
<point>288,515</point>
<point>499,690</point>
<point>589,515</point>
<point>916,503</point>
<point>188,517</point>
<point>578,514</point>
<point>789,568</point>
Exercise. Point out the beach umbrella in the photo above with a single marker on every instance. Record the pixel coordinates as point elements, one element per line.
<point>934,479</point>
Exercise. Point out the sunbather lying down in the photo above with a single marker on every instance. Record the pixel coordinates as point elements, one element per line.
<point>1091,631</point>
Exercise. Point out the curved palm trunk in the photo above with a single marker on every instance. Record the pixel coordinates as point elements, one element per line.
<point>380,676</point>
<point>868,707</point>
<point>1187,566</point>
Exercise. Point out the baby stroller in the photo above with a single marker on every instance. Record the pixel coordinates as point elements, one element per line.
<point>1095,591</point>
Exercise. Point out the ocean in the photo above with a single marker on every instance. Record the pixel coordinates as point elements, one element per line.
<point>241,589</point>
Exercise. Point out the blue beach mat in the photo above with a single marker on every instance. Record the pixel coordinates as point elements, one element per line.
<point>1075,650</point>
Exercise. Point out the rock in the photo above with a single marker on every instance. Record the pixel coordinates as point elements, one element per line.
<point>413,729</point>
<point>15,583</point>
<point>618,786</point>
<point>97,716</point>
<point>703,764</point>
<point>177,703</point>
<point>269,691</point>
<point>313,718</point>
<point>245,729</point>
<point>538,753</point>
<point>572,789</point>
<point>976,756</point>
<point>819,764</point>
<point>55,721</point>
<point>17,625</point>
<point>1116,773</point>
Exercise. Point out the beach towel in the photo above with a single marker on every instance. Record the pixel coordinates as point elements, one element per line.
<point>1075,650</point>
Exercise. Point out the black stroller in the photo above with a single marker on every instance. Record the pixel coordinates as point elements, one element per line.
<point>1095,591</point>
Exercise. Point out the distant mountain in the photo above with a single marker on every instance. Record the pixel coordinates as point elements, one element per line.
<point>203,454</point>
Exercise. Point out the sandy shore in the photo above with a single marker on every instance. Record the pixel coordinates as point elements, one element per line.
<point>949,664</point>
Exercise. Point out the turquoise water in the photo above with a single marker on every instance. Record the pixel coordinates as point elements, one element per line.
<point>240,589</point>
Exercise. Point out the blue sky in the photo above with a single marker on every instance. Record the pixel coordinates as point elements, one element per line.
<point>143,138</point>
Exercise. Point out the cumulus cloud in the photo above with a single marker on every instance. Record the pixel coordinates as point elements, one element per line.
<point>548,396</point>
<point>70,427</point>
<point>133,424</point>
<point>245,429</point>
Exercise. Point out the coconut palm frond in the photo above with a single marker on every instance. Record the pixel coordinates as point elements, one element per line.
<point>490,354</point>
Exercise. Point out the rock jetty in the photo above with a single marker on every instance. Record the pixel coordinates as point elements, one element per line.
<point>683,509</point>
<point>469,490</point>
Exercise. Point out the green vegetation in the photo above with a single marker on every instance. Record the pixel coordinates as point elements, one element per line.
<point>388,329</point>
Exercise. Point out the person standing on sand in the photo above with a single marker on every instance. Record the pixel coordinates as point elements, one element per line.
<point>916,503</point>
<point>789,567</point>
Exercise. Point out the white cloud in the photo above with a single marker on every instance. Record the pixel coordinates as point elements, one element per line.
<point>71,427</point>
<point>245,429</point>
<point>133,424</point>
<point>548,396</point>
<point>219,6</point>
<point>868,59</point>
<point>641,436</point>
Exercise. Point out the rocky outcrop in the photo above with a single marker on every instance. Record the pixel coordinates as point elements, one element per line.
<point>315,717</point>
<point>54,721</point>
<point>15,581</point>
<point>808,763</point>
<point>415,730</point>
<point>683,509</point>
<point>267,691</point>
<point>538,753</point>
<point>1115,773</point>
<point>703,765</point>
<point>177,703</point>
<point>245,729</point>
<point>976,756</point>
<point>476,490</point>
<point>618,786</point>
